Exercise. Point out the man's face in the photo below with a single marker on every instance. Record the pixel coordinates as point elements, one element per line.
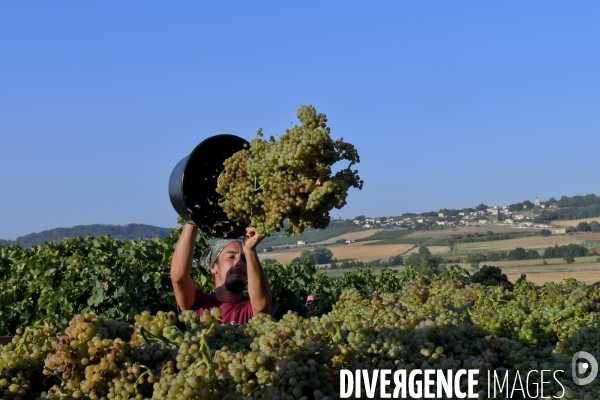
<point>230,268</point>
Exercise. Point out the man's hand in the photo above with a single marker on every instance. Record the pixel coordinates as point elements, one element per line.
<point>252,239</point>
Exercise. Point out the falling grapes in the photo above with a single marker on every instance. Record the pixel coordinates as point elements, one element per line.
<point>289,179</point>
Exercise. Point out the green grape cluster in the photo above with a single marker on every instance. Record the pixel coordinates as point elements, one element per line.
<point>20,358</point>
<point>426,324</point>
<point>535,315</point>
<point>290,179</point>
<point>92,360</point>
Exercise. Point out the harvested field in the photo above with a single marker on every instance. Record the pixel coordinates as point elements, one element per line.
<point>467,229</point>
<point>285,256</point>
<point>539,278</point>
<point>351,236</point>
<point>552,263</point>
<point>585,269</point>
<point>535,242</point>
<point>360,252</point>
<point>574,222</point>
<point>587,236</point>
<point>349,252</point>
<point>432,249</point>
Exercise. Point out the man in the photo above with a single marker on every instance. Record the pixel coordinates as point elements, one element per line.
<point>310,305</point>
<point>233,264</point>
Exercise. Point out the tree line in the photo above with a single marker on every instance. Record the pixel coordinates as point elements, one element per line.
<point>593,226</point>
<point>568,213</point>
<point>568,252</point>
<point>579,201</point>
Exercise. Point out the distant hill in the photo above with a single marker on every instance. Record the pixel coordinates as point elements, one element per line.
<point>122,232</point>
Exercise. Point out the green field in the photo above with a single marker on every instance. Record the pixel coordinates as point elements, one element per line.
<point>424,241</point>
<point>591,244</point>
<point>386,235</point>
<point>309,236</point>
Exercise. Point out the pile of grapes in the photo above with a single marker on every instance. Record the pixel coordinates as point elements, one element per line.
<point>290,178</point>
<point>447,325</point>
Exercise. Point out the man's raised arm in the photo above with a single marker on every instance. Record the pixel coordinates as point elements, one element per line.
<point>259,289</point>
<point>181,267</point>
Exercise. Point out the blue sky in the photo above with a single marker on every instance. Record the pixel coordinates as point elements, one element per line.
<point>450,104</point>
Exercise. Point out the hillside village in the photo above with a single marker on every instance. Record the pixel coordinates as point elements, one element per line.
<point>486,216</point>
<point>519,215</point>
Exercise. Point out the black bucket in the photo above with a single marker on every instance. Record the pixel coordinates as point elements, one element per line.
<point>193,184</point>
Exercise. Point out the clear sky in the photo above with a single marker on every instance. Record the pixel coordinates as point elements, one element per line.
<point>449,103</point>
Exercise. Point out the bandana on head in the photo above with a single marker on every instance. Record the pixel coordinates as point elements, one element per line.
<point>210,255</point>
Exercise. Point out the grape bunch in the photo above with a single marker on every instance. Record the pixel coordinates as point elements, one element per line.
<point>92,359</point>
<point>290,178</point>
<point>21,357</point>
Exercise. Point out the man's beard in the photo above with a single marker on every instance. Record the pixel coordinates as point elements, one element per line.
<point>236,286</point>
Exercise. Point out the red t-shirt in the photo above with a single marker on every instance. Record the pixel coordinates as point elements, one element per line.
<point>239,312</point>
